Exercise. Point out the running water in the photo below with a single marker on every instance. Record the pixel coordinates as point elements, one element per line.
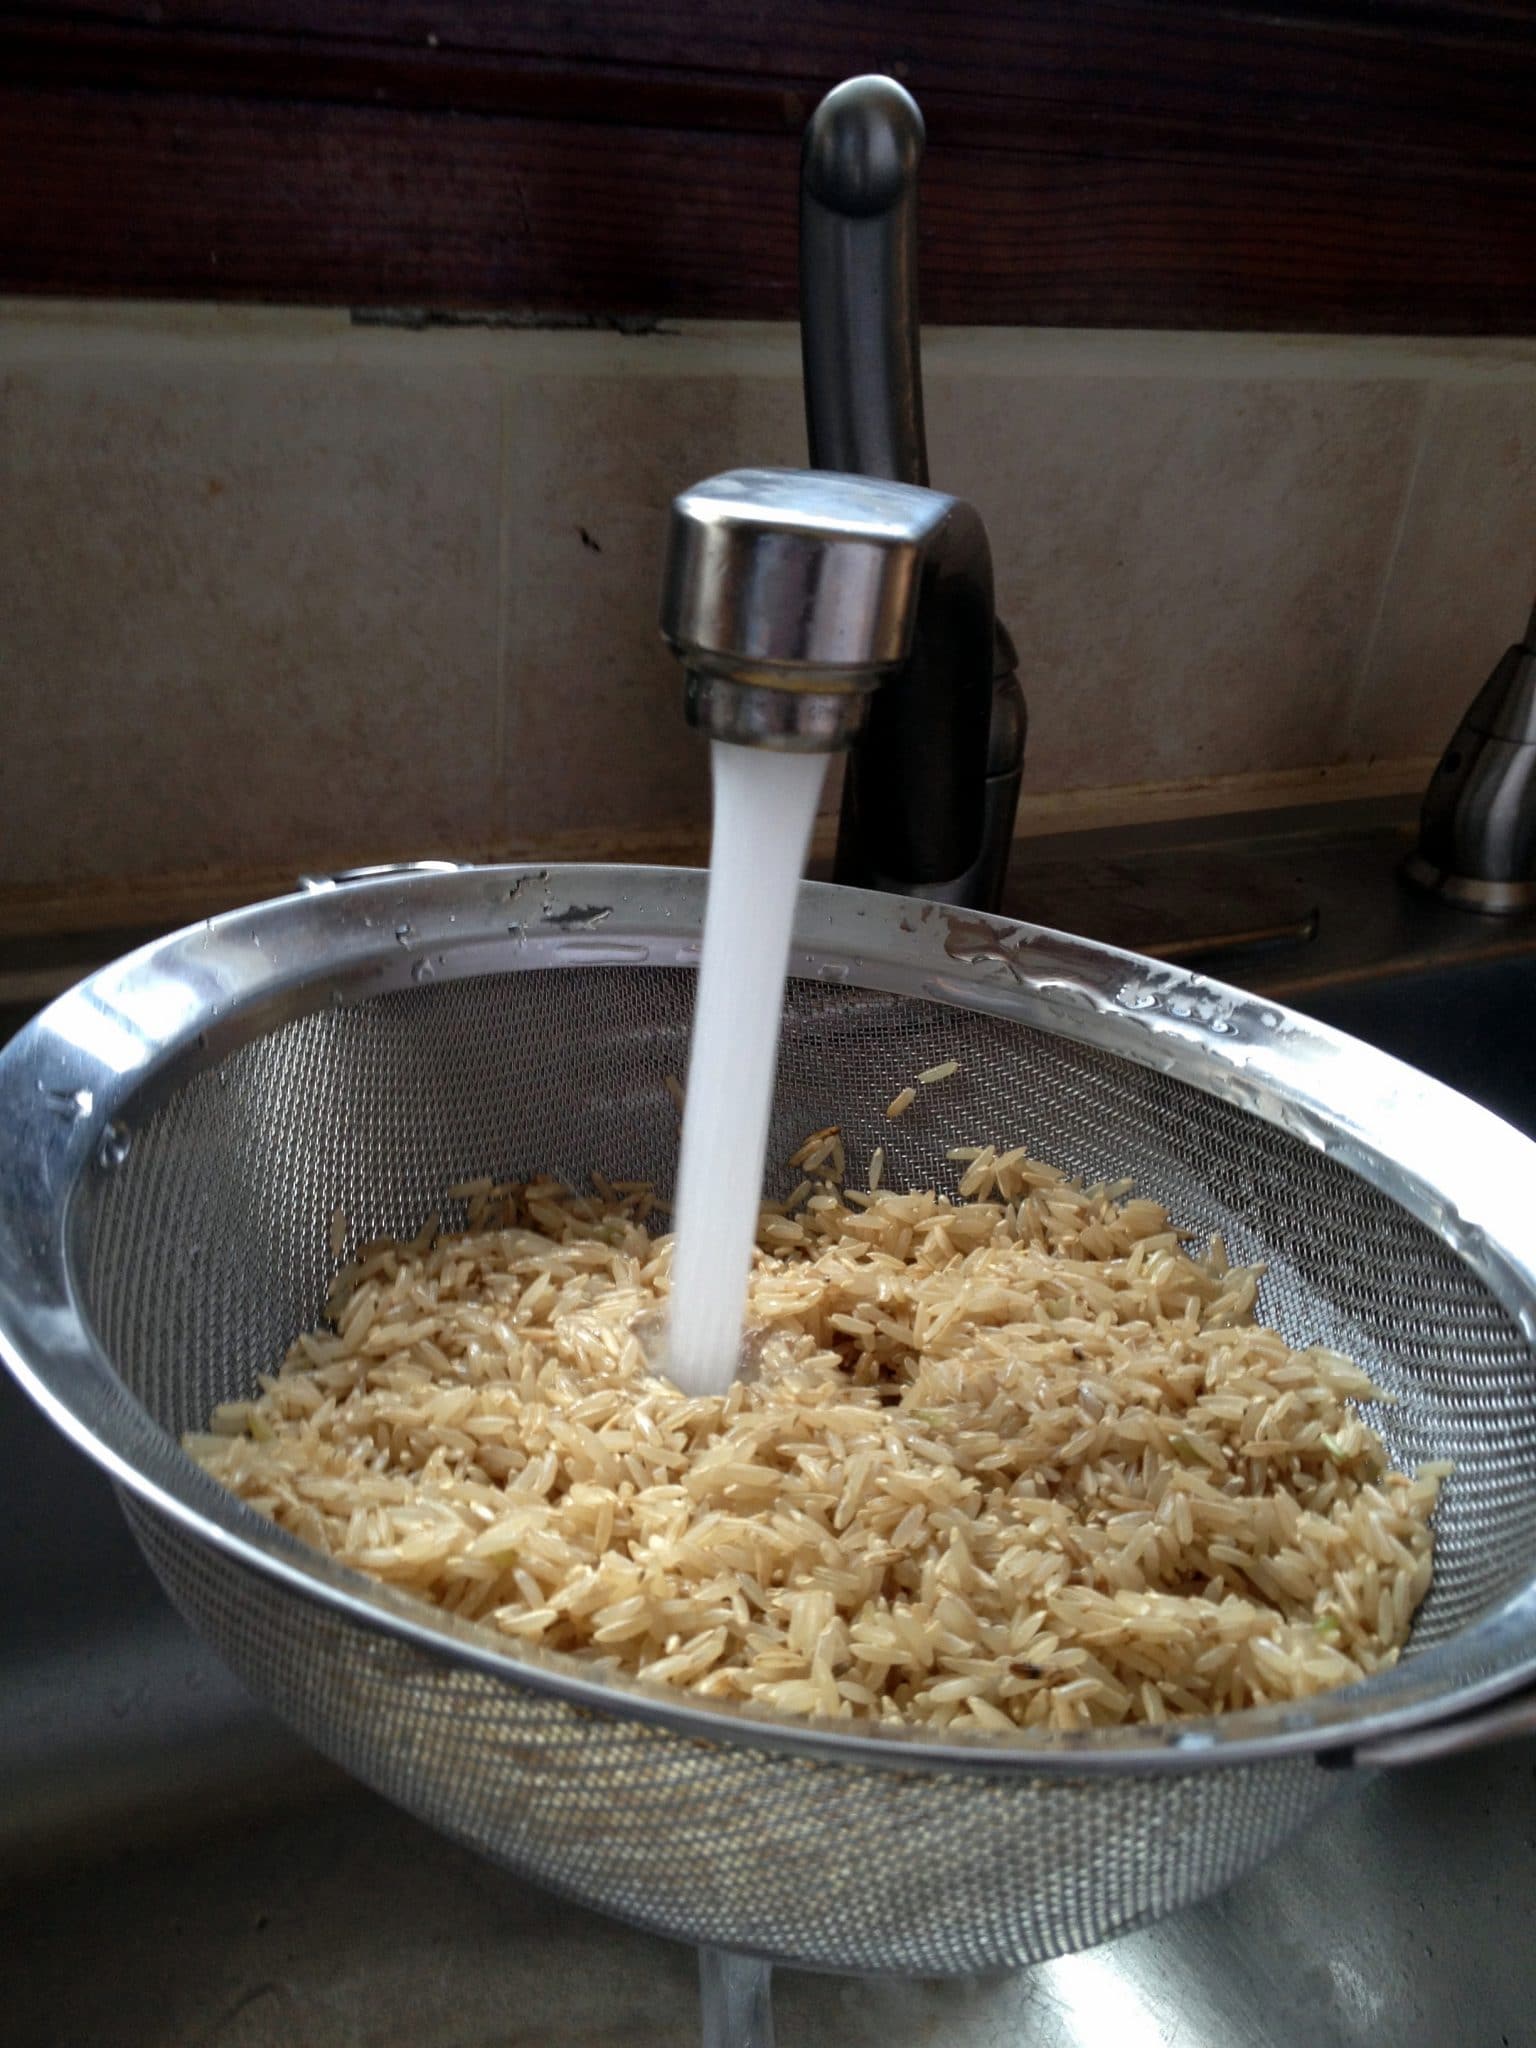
<point>765,804</point>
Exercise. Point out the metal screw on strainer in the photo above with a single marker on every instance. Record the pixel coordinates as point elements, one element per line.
<point>284,1058</point>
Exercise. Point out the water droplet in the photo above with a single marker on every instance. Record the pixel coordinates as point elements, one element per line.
<point>1269,1020</point>
<point>423,971</point>
<point>1220,1025</point>
<point>403,934</point>
<point>68,1104</point>
<point>1134,997</point>
<point>115,1144</point>
<point>1179,1009</point>
<point>337,998</point>
<point>833,970</point>
<point>202,1041</point>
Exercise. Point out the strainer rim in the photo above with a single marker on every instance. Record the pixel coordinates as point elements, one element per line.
<point>1010,968</point>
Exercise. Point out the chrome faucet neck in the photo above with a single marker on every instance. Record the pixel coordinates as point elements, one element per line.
<point>805,607</point>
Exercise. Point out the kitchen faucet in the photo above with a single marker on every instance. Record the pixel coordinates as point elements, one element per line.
<point>848,606</point>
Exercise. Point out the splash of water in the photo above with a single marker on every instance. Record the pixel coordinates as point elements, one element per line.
<point>765,805</point>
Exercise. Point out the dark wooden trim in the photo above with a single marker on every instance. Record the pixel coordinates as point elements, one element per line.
<point>1346,165</point>
<point>1122,74</point>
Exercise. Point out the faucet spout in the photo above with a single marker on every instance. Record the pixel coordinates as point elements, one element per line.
<point>801,604</point>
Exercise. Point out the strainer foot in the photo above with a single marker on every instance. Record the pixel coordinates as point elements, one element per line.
<point>736,1993</point>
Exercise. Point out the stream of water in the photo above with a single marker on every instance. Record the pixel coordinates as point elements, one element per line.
<point>765,804</point>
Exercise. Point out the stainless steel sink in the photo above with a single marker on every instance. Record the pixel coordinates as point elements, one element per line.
<point>1471,1024</point>
<point>179,1870</point>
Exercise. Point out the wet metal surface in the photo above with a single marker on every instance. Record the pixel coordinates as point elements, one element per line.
<point>1282,902</point>
<point>341,1924</point>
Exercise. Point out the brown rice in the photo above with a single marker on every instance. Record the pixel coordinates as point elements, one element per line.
<point>1023,1459</point>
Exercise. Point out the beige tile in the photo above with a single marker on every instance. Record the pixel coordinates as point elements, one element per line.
<point>594,701</point>
<point>1465,571</point>
<point>1190,566</point>
<point>248,614</point>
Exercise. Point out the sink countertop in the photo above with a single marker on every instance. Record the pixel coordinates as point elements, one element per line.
<point>1282,903</point>
<point>180,1871</point>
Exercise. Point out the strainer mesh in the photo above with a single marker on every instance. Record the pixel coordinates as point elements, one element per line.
<point>203,1253</point>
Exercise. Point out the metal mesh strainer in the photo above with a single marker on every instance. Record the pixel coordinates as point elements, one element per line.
<point>182,1127</point>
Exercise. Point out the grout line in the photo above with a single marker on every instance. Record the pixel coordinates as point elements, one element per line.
<point>48,332</point>
<point>1429,404</point>
<point>1112,806</point>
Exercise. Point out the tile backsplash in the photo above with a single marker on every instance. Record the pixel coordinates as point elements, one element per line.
<point>246,609</point>
<point>276,589</point>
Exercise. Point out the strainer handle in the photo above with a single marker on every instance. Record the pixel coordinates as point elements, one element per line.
<point>1479,1730</point>
<point>736,1993</point>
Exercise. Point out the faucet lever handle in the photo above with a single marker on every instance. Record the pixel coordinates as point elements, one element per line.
<point>861,351</point>
<point>858,282</point>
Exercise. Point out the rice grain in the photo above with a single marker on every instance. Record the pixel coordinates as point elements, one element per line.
<point>1024,1460</point>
